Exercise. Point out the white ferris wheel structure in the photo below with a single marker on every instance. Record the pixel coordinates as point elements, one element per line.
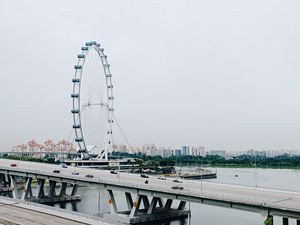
<point>93,102</point>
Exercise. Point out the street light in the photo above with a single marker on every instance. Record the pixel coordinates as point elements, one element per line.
<point>189,215</point>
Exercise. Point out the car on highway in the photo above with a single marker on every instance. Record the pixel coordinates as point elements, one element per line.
<point>64,166</point>
<point>177,188</point>
<point>146,181</point>
<point>75,173</point>
<point>13,165</point>
<point>56,171</point>
<point>89,176</point>
<point>144,175</point>
<point>113,172</point>
<point>177,181</point>
<point>161,178</point>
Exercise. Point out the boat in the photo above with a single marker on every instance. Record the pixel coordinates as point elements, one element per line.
<point>199,174</point>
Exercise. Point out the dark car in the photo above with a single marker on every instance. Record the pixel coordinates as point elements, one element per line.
<point>64,166</point>
<point>146,181</point>
<point>113,172</point>
<point>177,181</point>
<point>144,176</point>
<point>89,176</point>
<point>56,171</point>
<point>177,188</point>
<point>13,165</point>
<point>75,173</point>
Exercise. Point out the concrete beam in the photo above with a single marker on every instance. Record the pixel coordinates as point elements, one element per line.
<point>152,206</point>
<point>182,205</point>
<point>112,202</point>
<point>27,192</point>
<point>129,200</point>
<point>136,206</point>
<point>40,193</point>
<point>52,185</point>
<point>145,201</point>
<point>13,186</point>
<point>168,203</point>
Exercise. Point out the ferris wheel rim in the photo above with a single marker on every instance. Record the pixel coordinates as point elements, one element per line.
<point>76,103</point>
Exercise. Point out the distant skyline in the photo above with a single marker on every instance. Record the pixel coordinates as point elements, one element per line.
<point>224,75</point>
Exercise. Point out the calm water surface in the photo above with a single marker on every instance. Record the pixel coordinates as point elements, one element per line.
<point>205,214</point>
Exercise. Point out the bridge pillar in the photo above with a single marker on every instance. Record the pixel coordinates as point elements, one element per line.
<point>13,186</point>
<point>62,192</point>
<point>285,221</point>
<point>152,206</point>
<point>181,205</point>
<point>40,193</point>
<point>112,202</point>
<point>129,200</point>
<point>145,201</point>
<point>52,184</point>
<point>27,192</point>
<point>74,190</point>
<point>168,203</point>
<point>136,206</point>
<point>160,202</point>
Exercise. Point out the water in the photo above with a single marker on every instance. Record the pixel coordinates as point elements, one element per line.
<point>283,179</point>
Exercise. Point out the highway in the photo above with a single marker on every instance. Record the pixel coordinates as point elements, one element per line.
<point>15,212</point>
<point>284,203</point>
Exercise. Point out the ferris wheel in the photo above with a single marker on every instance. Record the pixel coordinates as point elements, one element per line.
<point>93,102</point>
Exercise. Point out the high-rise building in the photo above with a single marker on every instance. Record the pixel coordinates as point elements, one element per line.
<point>185,150</point>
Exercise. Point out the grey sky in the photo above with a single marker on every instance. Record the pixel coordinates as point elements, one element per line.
<point>223,74</point>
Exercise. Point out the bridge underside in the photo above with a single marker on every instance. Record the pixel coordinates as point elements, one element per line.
<point>52,192</point>
<point>142,209</point>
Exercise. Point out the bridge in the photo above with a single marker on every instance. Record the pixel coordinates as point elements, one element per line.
<point>149,201</point>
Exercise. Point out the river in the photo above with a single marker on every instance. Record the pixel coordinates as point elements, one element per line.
<point>284,179</point>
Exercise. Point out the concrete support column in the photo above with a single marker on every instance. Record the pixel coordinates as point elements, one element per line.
<point>285,221</point>
<point>2,178</point>
<point>62,192</point>
<point>181,205</point>
<point>136,206</point>
<point>152,205</point>
<point>6,178</point>
<point>129,200</point>
<point>168,203</point>
<point>52,184</point>
<point>27,192</point>
<point>112,202</point>
<point>74,190</point>
<point>40,193</point>
<point>145,201</point>
<point>160,202</point>
<point>13,186</point>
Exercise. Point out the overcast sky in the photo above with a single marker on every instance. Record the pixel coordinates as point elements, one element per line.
<point>222,74</point>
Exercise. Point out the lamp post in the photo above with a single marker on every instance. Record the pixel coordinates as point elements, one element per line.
<point>189,215</point>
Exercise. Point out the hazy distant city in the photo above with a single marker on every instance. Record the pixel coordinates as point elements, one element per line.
<point>153,150</point>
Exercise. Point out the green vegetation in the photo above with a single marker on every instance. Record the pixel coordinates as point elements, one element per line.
<point>32,159</point>
<point>242,161</point>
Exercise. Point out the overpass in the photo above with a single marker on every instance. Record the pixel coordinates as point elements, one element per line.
<point>157,197</point>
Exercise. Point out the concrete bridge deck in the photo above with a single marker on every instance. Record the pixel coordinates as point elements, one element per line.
<point>265,201</point>
<point>14,212</point>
